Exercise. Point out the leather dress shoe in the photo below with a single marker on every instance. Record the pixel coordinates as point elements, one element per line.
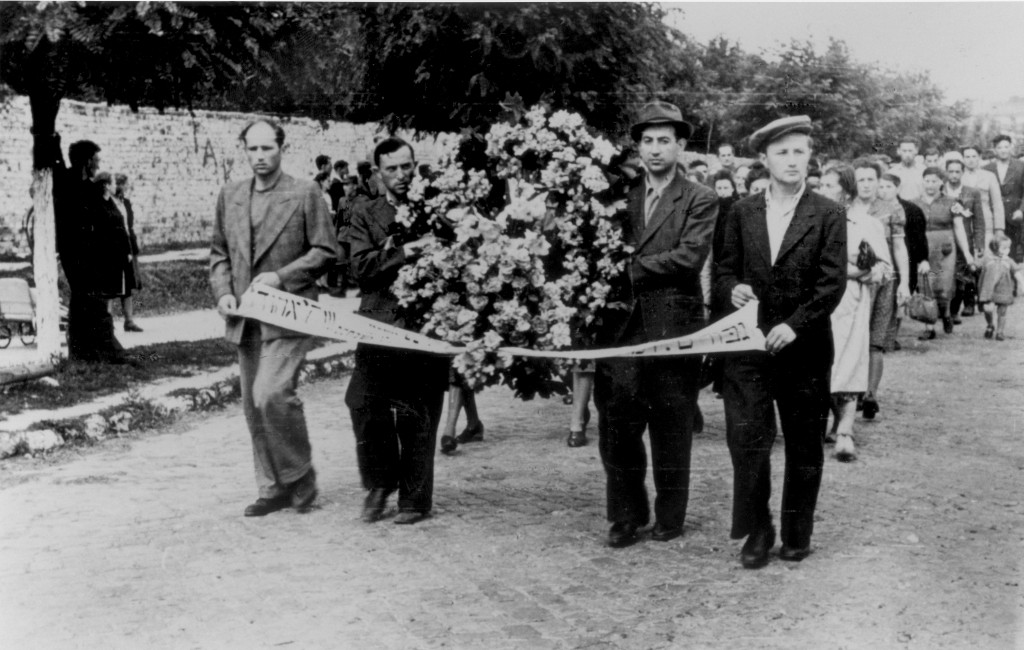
<point>373,506</point>
<point>623,534</point>
<point>410,517</point>
<point>263,506</point>
<point>794,553</point>
<point>471,434</point>
<point>304,491</point>
<point>755,550</point>
<point>661,533</point>
<point>576,438</point>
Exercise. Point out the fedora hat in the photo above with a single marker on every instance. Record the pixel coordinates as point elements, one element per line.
<point>659,113</point>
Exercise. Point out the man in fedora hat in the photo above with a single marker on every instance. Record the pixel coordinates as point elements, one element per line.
<point>668,222</point>
<point>786,248</point>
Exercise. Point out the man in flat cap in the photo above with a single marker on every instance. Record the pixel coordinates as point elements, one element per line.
<point>668,222</point>
<point>787,249</point>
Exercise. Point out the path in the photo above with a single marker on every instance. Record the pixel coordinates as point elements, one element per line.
<point>141,544</point>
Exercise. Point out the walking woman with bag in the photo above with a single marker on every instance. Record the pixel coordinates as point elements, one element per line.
<point>868,267</point>
<point>946,233</point>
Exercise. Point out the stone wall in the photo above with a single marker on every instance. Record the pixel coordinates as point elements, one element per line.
<point>177,161</point>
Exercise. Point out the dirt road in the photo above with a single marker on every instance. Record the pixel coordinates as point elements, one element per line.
<point>141,544</point>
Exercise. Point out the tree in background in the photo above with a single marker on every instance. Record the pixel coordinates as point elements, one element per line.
<point>857,108</point>
<point>154,53</point>
<point>445,67</point>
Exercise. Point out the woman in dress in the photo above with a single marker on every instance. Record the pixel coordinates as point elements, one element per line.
<point>122,188</point>
<point>946,233</point>
<point>868,267</point>
<point>118,249</point>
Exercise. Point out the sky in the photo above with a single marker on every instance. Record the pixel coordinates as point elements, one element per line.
<point>972,50</point>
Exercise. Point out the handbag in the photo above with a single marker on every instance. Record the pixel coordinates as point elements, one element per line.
<point>866,256</point>
<point>922,306</point>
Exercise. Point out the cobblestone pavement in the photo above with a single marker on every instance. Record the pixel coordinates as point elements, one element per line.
<point>140,543</point>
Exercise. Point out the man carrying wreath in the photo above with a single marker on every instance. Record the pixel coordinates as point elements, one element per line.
<point>394,396</point>
<point>668,222</point>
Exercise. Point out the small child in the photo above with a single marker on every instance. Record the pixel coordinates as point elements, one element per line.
<point>1001,278</point>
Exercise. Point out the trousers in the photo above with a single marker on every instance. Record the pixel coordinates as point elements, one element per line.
<point>395,398</point>
<point>269,372</point>
<point>90,328</point>
<point>752,386</point>
<point>659,395</point>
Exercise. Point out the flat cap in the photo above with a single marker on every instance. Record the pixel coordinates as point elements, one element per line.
<point>780,127</point>
<point>659,113</point>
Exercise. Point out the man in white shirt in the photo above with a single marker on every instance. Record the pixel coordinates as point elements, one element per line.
<point>785,248</point>
<point>911,183</point>
<point>994,221</point>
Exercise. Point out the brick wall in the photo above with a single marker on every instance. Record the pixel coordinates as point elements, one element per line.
<point>177,161</point>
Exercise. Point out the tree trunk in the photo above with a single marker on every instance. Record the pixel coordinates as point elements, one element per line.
<point>44,257</point>
<point>45,267</point>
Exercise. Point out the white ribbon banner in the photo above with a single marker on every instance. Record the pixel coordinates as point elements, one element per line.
<point>737,332</point>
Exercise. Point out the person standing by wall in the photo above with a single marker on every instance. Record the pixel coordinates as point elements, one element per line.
<point>80,213</point>
<point>122,188</point>
<point>272,230</point>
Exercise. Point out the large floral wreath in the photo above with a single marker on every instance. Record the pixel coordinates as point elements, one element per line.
<point>527,253</point>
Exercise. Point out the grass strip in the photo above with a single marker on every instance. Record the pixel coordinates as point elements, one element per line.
<point>81,382</point>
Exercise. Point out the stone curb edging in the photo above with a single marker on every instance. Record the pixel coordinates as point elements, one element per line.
<point>196,393</point>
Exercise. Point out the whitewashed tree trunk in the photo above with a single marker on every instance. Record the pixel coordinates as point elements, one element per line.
<point>45,268</point>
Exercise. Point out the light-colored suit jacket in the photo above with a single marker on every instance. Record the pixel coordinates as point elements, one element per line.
<point>296,240</point>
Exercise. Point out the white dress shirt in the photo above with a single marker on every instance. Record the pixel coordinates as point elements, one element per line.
<point>779,214</point>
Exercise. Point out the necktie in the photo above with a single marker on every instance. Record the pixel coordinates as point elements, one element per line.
<point>652,203</point>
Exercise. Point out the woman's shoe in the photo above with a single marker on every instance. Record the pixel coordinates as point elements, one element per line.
<point>471,434</point>
<point>845,451</point>
<point>577,438</point>
<point>947,324</point>
<point>448,444</point>
<point>989,332</point>
<point>928,335</point>
<point>1000,337</point>
<point>131,326</point>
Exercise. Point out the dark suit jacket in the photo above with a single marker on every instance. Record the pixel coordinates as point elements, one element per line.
<point>296,240</point>
<point>807,280</point>
<point>917,240</point>
<point>388,373</point>
<point>1012,186</point>
<point>663,285</point>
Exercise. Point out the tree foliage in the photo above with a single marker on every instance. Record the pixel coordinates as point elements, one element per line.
<point>163,54</point>
<point>857,108</point>
<point>441,67</point>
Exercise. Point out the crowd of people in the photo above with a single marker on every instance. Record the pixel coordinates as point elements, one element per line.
<point>831,252</point>
<point>948,224</point>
